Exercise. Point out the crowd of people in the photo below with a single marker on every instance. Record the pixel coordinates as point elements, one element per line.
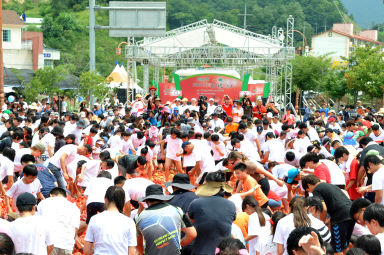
<point>193,176</point>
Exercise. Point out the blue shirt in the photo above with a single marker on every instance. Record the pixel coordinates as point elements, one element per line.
<point>46,178</point>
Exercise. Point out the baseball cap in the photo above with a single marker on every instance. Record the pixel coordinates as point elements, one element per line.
<point>211,99</point>
<point>25,199</point>
<point>177,99</point>
<point>185,144</point>
<point>292,174</point>
<point>259,128</point>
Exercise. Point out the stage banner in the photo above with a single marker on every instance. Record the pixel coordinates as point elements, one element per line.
<point>210,85</point>
<point>256,90</point>
<point>168,92</point>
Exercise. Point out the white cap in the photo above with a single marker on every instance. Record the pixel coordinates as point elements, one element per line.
<point>193,99</point>
<point>5,116</point>
<point>269,115</point>
<point>211,99</point>
<point>177,99</point>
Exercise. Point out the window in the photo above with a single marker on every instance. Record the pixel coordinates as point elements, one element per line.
<point>6,35</point>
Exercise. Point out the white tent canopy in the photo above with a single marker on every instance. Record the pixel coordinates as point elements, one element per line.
<point>119,79</point>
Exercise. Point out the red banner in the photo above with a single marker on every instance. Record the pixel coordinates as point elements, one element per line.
<point>211,86</point>
<point>255,90</point>
<point>168,92</point>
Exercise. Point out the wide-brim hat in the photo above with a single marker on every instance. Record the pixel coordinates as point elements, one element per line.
<point>180,181</point>
<point>212,188</point>
<point>155,192</point>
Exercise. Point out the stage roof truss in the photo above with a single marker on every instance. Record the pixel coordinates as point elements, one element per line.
<point>219,44</point>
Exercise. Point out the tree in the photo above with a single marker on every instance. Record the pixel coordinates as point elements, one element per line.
<point>334,84</point>
<point>365,72</point>
<point>92,84</point>
<point>308,73</point>
<point>45,82</point>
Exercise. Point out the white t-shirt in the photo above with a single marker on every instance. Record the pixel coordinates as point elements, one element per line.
<point>281,171</point>
<point>284,228</point>
<point>126,146</point>
<point>77,132</point>
<point>254,228</point>
<point>313,136</point>
<point>173,147</point>
<point>48,141</point>
<point>135,188</point>
<point>379,138</point>
<point>18,154</point>
<point>301,145</point>
<point>96,189</point>
<point>216,154</point>
<point>31,235</point>
<point>63,218</point>
<point>336,173</point>
<point>219,123</point>
<point>92,169</point>
<point>6,167</point>
<point>276,150</point>
<point>69,149</point>
<point>111,233</point>
<point>4,226</point>
<point>378,181</point>
<point>136,142</point>
<point>19,187</point>
<point>240,113</point>
<point>380,236</point>
<point>115,141</point>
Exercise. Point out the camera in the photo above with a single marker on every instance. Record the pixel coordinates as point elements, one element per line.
<point>202,99</point>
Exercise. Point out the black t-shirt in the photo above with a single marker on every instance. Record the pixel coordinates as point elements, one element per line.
<point>213,217</point>
<point>375,147</point>
<point>129,162</point>
<point>338,204</point>
<point>183,198</point>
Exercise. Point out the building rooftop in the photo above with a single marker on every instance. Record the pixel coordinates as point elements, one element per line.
<point>11,18</point>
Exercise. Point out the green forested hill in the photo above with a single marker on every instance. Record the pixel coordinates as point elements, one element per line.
<point>65,22</point>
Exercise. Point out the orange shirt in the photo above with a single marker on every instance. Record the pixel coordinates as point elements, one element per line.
<point>231,128</point>
<point>242,222</point>
<point>248,184</point>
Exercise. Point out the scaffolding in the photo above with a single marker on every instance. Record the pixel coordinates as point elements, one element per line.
<point>223,46</point>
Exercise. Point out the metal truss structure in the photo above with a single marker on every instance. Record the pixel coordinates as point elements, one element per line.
<point>222,46</point>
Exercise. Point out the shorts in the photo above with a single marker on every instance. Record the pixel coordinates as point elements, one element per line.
<point>59,251</point>
<point>93,209</point>
<point>161,161</point>
<point>341,234</point>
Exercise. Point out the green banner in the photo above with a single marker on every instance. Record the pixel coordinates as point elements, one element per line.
<point>267,89</point>
<point>245,82</point>
<point>176,78</point>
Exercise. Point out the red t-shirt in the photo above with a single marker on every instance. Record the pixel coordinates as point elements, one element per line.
<point>260,110</point>
<point>322,172</point>
<point>353,194</point>
<point>228,109</point>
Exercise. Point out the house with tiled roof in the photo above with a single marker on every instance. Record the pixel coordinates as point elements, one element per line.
<point>341,40</point>
<point>22,49</point>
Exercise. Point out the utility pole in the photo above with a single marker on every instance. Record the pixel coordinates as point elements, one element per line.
<point>1,58</point>
<point>92,47</point>
<point>245,16</point>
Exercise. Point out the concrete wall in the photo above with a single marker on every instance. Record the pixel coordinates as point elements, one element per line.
<point>15,37</point>
<point>335,45</point>
<point>19,59</point>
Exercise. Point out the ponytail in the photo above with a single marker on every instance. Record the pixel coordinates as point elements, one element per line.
<point>252,202</point>
<point>300,217</point>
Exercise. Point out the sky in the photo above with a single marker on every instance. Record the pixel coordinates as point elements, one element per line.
<point>366,12</point>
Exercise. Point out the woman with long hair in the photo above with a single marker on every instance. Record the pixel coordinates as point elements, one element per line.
<point>111,232</point>
<point>297,217</point>
<point>259,226</point>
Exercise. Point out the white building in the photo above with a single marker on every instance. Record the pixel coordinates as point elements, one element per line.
<point>340,41</point>
<point>24,49</point>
